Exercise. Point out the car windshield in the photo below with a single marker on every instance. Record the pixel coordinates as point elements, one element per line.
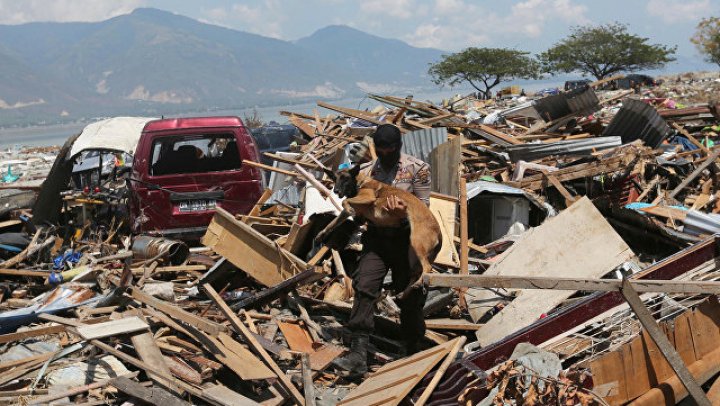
<point>194,153</point>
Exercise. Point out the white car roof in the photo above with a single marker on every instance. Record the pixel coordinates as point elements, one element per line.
<point>117,134</point>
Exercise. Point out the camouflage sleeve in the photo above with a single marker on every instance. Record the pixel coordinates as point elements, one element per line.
<point>421,184</point>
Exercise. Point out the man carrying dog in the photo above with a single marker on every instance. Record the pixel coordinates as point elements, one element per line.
<point>387,249</point>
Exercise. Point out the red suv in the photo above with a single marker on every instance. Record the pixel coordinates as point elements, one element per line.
<point>184,168</point>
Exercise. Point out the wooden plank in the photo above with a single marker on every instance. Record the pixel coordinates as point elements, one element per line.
<point>640,378</point>
<point>298,339</point>
<point>444,160</point>
<point>308,385</point>
<point>140,364</point>
<point>633,387</point>
<point>33,332</point>
<point>267,193</point>
<point>704,325</point>
<point>154,396</point>
<point>666,212</point>
<point>240,328</point>
<point>610,165</point>
<point>661,340</point>
<point>252,368</point>
<point>269,168</point>
<point>684,339</point>
<point>444,212</point>
<point>251,251</point>
<point>569,198</point>
<point>605,374</point>
<point>46,399</point>
<point>714,392</point>
<point>223,395</point>
<point>660,368</point>
<point>390,384</point>
<point>458,343</point>
<point>464,250</point>
<point>559,283</point>
<point>148,351</point>
<point>175,312</point>
<point>451,324</point>
<point>578,241</point>
<point>112,328</point>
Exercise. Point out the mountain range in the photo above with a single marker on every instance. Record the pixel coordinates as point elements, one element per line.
<point>155,62</point>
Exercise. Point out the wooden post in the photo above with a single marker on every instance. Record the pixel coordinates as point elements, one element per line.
<point>662,342</point>
<point>308,386</point>
<point>464,248</point>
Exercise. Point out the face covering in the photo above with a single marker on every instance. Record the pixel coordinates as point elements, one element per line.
<point>388,157</point>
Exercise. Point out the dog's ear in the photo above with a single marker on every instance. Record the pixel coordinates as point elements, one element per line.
<point>354,171</point>
<point>330,174</point>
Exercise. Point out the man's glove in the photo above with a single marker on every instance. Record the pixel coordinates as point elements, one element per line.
<point>360,151</point>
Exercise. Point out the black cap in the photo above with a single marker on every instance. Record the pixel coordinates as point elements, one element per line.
<point>387,135</point>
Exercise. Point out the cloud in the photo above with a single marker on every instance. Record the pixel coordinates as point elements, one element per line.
<point>403,9</point>
<point>671,11</point>
<point>267,18</point>
<point>459,24</point>
<point>531,16</point>
<point>19,12</point>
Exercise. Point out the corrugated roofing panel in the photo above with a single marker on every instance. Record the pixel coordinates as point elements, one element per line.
<point>477,187</point>
<point>531,152</point>
<point>638,120</point>
<point>421,142</point>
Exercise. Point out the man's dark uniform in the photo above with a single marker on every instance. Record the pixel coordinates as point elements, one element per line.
<point>385,248</point>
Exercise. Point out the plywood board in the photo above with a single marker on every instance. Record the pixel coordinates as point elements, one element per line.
<point>112,328</point>
<point>251,251</point>
<point>225,396</point>
<point>578,242</point>
<point>444,212</point>
<point>444,167</point>
<point>298,339</point>
<point>391,383</point>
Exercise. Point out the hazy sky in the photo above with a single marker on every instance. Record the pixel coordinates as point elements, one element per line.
<point>451,25</point>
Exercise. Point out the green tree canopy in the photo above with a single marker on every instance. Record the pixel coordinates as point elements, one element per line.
<point>602,51</point>
<point>484,68</point>
<point>707,39</point>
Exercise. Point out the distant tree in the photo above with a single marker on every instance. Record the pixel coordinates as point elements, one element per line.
<point>605,50</point>
<point>484,68</point>
<point>253,120</point>
<point>707,39</point>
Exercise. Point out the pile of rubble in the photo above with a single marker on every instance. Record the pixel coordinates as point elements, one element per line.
<point>559,215</point>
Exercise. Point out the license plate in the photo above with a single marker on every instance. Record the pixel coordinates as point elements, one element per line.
<point>197,205</point>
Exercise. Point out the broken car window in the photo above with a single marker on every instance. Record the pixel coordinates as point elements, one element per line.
<point>193,154</point>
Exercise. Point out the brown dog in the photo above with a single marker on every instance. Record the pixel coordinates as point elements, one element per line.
<point>366,198</point>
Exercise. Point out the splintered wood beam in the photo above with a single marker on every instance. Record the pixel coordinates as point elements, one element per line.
<point>268,168</point>
<point>694,174</point>
<point>244,332</point>
<point>557,283</point>
<point>671,355</point>
<point>570,199</point>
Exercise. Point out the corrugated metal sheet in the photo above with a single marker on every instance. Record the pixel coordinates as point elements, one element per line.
<point>531,152</point>
<point>697,223</point>
<point>638,120</point>
<point>581,101</point>
<point>477,187</point>
<point>421,142</point>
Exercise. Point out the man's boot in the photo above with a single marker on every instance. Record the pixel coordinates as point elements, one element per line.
<point>355,362</point>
